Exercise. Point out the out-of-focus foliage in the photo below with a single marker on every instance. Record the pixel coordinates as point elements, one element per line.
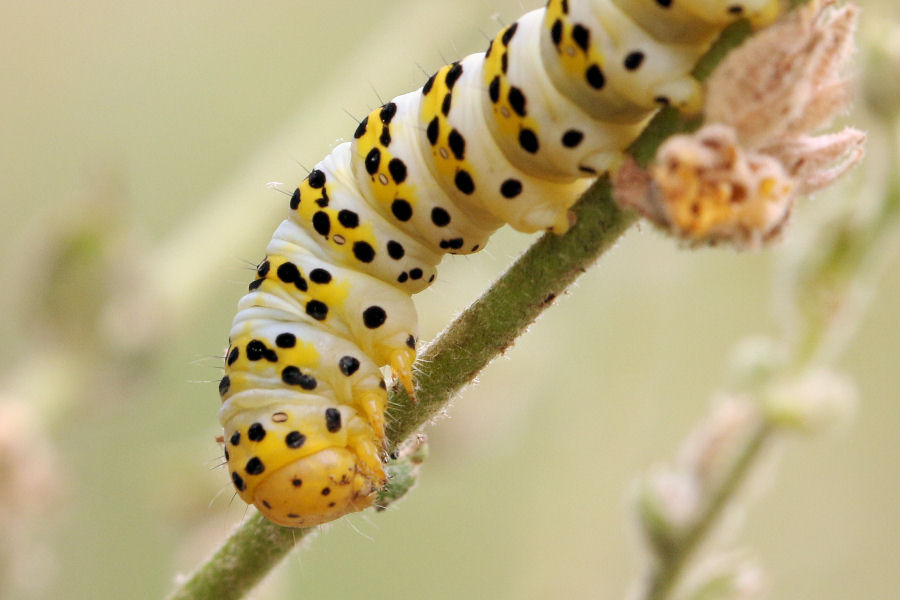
<point>137,143</point>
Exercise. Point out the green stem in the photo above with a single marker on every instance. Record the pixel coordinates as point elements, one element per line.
<point>865,244</point>
<point>242,561</point>
<point>668,572</point>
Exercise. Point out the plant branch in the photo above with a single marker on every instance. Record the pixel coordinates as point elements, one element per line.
<point>667,573</point>
<point>844,254</point>
<point>243,560</point>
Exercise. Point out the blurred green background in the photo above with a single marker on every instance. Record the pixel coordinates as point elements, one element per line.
<point>136,146</point>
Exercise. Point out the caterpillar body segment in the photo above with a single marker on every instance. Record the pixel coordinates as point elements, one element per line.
<point>393,164</point>
<point>510,136</point>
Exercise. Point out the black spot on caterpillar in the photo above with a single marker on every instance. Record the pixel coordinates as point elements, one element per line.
<point>503,137</point>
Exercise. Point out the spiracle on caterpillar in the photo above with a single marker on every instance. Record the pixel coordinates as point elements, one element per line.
<point>513,136</point>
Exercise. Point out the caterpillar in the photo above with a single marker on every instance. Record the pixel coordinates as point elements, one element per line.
<point>513,136</point>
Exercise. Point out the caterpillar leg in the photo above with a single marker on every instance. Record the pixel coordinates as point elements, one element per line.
<point>372,405</point>
<point>401,365</point>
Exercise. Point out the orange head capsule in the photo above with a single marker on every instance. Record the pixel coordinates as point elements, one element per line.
<point>315,489</point>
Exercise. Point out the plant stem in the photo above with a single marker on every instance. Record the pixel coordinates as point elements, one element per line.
<point>845,246</point>
<point>665,576</point>
<point>242,561</point>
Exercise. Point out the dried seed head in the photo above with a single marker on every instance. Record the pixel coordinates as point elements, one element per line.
<point>706,188</point>
<point>735,179</point>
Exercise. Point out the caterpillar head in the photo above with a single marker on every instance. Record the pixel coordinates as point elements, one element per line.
<point>297,464</point>
<point>314,489</point>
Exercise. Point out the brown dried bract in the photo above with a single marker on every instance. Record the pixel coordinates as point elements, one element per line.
<point>735,179</point>
<point>704,187</point>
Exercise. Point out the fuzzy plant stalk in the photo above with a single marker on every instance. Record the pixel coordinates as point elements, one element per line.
<point>484,330</point>
<point>674,548</point>
<point>780,397</point>
<point>783,387</point>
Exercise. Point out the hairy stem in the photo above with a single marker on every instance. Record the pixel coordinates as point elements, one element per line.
<point>667,573</point>
<point>242,561</point>
<point>847,246</point>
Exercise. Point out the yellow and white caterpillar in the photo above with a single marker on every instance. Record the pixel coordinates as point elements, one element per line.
<point>512,135</point>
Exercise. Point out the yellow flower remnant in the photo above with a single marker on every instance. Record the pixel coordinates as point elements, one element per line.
<point>735,179</point>
<point>712,189</point>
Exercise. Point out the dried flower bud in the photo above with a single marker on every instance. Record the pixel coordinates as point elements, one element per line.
<point>815,162</point>
<point>706,188</point>
<point>711,449</point>
<point>754,361</point>
<point>786,80</point>
<point>816,401</point>
<point>736,178</point>
<point>667,505</point>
